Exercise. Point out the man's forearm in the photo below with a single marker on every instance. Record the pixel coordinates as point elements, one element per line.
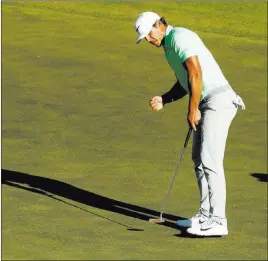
<point>174,94</point>
<point>195,81</point>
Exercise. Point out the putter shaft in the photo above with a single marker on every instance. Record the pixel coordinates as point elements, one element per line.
<point>175,173</point>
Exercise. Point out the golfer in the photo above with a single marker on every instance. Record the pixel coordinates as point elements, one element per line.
<point>212,106</point>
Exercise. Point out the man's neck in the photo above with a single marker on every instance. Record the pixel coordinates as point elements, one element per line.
<point>165,33</point>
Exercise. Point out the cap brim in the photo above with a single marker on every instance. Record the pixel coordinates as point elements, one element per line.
<point>142,36</point>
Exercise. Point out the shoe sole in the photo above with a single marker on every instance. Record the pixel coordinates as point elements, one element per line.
<point>215,234</point>
<point>212,234</point>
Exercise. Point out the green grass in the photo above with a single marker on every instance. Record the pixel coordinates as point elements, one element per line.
<point>75,90</point>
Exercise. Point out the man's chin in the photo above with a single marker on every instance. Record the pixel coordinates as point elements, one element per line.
<point>161,43</point>
<point>158,44</point>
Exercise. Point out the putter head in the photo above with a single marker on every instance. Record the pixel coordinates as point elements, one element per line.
<point>156,220</point>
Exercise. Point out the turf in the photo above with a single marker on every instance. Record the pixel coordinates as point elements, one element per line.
<point>89,162</point>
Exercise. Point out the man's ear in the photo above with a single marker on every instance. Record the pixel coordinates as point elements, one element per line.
<point>157,24</point>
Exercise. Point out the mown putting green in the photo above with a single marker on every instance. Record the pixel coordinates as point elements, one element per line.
<point>86,162</point>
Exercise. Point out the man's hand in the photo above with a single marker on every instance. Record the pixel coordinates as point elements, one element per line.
<point>194,117</point>
<point>156,103</point>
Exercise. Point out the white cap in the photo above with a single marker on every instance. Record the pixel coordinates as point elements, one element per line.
<point>144,24</point>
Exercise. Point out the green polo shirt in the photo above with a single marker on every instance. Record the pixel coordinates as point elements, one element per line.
<point>180,44</point>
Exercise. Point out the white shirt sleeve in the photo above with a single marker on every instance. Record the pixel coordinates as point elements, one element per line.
<point>185,45</point>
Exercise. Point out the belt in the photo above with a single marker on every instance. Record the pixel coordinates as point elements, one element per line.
<point>215,92</point>
<point>237,99</point>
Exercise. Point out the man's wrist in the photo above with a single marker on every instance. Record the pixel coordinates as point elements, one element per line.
<point>166,98</point>
<point>194,105</point>
<point>163,99</point>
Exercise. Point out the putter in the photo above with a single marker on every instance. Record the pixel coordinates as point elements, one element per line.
<point>160,219</point>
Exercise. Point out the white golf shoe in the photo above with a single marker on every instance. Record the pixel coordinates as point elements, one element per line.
<point>211,227</point>
<point>194,221</point>
<point>198,219</point>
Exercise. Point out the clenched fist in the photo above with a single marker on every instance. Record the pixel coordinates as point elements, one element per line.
<point>156,103</point>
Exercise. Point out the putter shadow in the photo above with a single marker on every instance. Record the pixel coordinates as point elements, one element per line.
<point>51,188</point>
<point>262,177</point>
<point>60,200</point>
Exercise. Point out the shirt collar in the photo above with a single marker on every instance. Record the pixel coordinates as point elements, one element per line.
<point>168,30</point>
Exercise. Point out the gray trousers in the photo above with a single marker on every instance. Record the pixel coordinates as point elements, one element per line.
<point>208,150</point>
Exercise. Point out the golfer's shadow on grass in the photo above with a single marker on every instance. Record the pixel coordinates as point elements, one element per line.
<point>262,177</point>
<point>54,189</point>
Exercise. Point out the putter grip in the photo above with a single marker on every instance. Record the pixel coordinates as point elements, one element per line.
<point>188,137</point>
